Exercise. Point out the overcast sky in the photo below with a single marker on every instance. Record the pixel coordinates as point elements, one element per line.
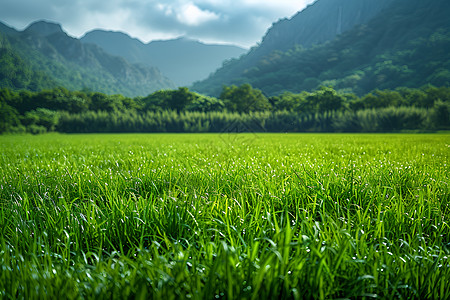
<point>241,22</point>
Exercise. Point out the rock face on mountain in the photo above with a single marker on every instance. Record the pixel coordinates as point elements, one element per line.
<point>44,28</point>
<point>353,45</point>
<point>320,22</point>
<point>45,48</point>
<point>182,60</point>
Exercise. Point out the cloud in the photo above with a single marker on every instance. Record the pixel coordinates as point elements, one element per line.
<point>242,22</point>
<point>191,15</point>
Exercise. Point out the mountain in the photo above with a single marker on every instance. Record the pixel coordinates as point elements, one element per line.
<point>16,73</point>
<point>182,60</point>
<point>44,49</point>
<point>372,44</point>
<point>320,22</point>
<point>43,28</point>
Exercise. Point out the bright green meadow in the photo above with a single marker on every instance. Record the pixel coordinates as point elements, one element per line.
<point>225,216</point>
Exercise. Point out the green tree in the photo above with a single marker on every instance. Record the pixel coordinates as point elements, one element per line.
<point>413,97</point>
<point>440,115</point>
<point>244,99</point>
<point>42,118</point>
<point>205,104</point>
<point>102,102</point>
<point>435,94</point>
<point>180,99</point>
<point>384,98</point>
<point>325,99</point>
<point>287,101</point>
<point>9,117</point>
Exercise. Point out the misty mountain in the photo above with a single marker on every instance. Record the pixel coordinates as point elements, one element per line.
<point>43,28</point>
<point>182,60</point>
<point>45,50</point>
<point>318,23</point>
<point>372,44</point>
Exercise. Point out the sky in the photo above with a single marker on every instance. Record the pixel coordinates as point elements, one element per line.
<point>239,22</point>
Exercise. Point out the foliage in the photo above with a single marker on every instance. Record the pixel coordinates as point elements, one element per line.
<point>9,117</point>
<point>34,62</point>
<point>15,73</point>
<point>404,45</point>
<point>244,99</point>
<point>180,100</point>
<point>242,109</point>
<point>440,114</point>
<point>227,216</point>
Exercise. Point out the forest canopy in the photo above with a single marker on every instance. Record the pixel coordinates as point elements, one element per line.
<point>239,108</point>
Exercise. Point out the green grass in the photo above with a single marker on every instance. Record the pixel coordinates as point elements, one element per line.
<point>225,216</point>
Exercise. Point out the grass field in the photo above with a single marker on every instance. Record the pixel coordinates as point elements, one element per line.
<point>225,216</point>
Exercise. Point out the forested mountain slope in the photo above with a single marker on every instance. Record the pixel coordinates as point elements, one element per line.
<point>318,23</point>
<point>16,73</point>
<point>405,44</point>
<point>45,50</point>
<point>182,60</point>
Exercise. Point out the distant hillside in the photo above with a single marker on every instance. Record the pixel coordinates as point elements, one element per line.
<point>16,73</point>
<point>406,43</point>
<point>318,23</point>
<point>45,50</point>
<point>182,60</point>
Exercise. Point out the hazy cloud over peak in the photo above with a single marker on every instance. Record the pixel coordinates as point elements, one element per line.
<point>242,22</point>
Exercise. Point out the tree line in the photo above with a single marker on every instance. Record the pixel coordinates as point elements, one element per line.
<point>238,109</point>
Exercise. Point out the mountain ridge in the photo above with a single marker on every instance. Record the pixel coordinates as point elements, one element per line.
<point>43,28</point>
<point>319,22</point>
<point>182,60</point>
<point>44,47</point>
<point>376,54</point>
